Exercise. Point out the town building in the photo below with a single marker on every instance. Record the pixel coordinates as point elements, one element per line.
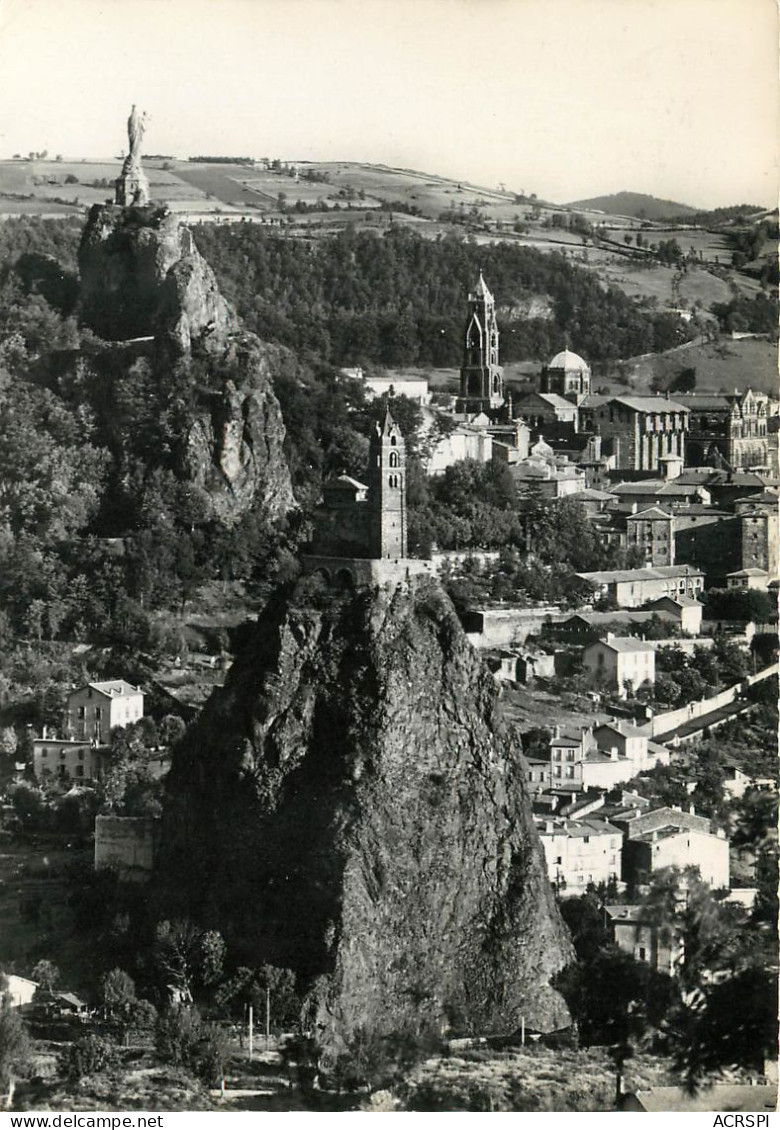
<point>637,430</point>
<point>597,760</point>
<point>481,376</point>
<point>95,709</point>
<point>621,662</point>
<point>567,376</point>
<point>634,932</point>
<point>463,442</point>
<point>61,759</point>
<point>748,579</point>
<point>397,384</point>
<point>631,588</point>
<point>548,413</point>
<point>580,852</point>
<point>671,494</point>
<point>686,611</point>
<point>728,430</point>
<point>542,475</point>
<point>669,837</point>
<point>759,522</point>
<point>651,533</point>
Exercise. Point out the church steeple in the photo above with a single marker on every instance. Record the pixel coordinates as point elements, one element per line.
<point>481,376</point>
<point>387,491</point>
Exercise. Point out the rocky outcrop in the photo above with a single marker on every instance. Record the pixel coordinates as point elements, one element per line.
<point>234,452</point>
<point>350,805</point>
<point>142,276</point>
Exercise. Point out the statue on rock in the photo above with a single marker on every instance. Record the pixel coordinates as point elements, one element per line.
<point>132,187</point>
<point>136,126</point>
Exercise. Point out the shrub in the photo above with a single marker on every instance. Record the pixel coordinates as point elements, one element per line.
<point>89,1055</point>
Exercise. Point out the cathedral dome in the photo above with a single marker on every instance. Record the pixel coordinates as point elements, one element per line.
<point>568,361</point>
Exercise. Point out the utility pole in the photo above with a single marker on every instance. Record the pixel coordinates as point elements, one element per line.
<point>267,1015</point>
<point>251,1032</point>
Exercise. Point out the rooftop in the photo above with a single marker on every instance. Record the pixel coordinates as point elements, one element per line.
<point>658,573</point>
<point>650,513</point>
<point>571,362</point>
<point>650,404</point>
<point>626,645</point>
<point>113,688</point>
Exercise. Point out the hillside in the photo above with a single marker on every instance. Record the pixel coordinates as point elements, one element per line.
<point>637,204</point>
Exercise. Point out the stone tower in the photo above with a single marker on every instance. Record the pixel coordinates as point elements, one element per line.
<point>481,376</point>
<point>387,491</point>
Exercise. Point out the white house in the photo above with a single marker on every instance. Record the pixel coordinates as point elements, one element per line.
<point>579,852</point>
<point>94,710</point>
<point>20,990</point>
<point>618,660</point>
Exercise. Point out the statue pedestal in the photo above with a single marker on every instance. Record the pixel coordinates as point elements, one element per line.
<point>132,187</point>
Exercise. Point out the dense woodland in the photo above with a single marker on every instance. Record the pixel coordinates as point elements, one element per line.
<point>400,300</point>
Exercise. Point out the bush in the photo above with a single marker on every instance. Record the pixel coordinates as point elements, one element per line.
<point>89,1055</point>
<point>184,1040</point>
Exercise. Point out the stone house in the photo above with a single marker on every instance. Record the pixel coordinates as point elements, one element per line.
<point>66,760</point>
<point>618,660</point>
<point>668,837</point>
<point>635,934</point>
<point>651,533</point>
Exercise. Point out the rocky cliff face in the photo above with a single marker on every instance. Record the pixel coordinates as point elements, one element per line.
<point>143,276</point>
<point>349,805</point>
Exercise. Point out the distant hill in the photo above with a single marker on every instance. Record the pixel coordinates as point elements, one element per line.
<point>636,204</point>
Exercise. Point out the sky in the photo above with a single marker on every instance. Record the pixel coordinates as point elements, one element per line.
<point>565,98</point>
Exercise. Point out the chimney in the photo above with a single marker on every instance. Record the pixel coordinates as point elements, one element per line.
<point>613,753</point>
<point>610,637</point>
<point>45,732</point>
<point>549,827</point>
<point>691,809</point>
<point>557,732</point>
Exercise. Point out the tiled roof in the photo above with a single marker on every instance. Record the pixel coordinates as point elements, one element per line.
<point>114,688</point>
<point>626,645</point>
<point>650,404</point>
<point>651,512</point>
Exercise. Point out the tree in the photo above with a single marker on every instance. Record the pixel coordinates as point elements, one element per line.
<point>117,992</point>
<point>14,1044</point>
<point>46,974</point>
<point>187,956</point>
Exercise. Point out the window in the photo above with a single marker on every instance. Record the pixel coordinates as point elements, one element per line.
<point>82,712</point>
<point>586,839</point>
<point>81,755</point>
<point>642,953</point>
<point>79,770</point>
<point>393,458</point>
